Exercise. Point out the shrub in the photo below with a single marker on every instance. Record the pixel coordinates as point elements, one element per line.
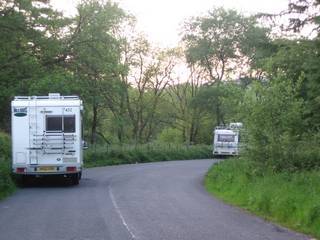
<point>275,130</point>
<point>5,145</point>
<point>6,183</point>
<point>170,135</point>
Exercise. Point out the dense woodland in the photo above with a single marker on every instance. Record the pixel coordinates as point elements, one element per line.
<point>227,67</point>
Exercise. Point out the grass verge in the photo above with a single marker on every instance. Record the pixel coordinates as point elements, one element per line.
<point>291,199</point>
<point>126,154</point>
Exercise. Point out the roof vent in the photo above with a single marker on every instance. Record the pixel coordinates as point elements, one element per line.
<point>54,95</point>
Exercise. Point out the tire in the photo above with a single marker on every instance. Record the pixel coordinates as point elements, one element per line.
<point>75,178</point>
<point>21,180</point>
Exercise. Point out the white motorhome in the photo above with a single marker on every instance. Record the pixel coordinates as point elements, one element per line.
<point>47,136</point>
<point>226,141</point>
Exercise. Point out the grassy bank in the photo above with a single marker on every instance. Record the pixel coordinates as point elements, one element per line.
<point>126,154</point>
<point>292,199</point>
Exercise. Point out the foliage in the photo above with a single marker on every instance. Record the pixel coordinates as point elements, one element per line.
<point>30,46</point>
<point>127,154</point>
<point>294,202</point>
<point>282,120</point>
<point>230,96</point>
<point>299,61</point>
<point>223,43</point>
<point>304,14</point>
<point>274,123</point>
<point>186,118</point>
<point>220,40</point>
<point>152,71</point>
<point>5,146</point>
<point>130,88</point>
<point>170,135</point>
<point>301,19</point>
<point>95,56</point>
<point>6,183</point>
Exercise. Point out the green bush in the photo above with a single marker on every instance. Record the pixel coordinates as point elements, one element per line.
<point>170,135</point>
<point>127,154</point>
<point>5,146</point>
<point>276,135</point>
<point>6,183</point>
<point>307,153</point>
<point>289,198</point>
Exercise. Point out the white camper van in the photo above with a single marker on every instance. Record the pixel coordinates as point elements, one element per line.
<point>47,136</point>
<point>226,141</point>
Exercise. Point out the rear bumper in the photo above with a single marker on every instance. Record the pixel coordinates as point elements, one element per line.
<point>226,152</point>
<point>38,170</point>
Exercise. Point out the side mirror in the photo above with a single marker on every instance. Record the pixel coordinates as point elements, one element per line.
<point>84,145</point>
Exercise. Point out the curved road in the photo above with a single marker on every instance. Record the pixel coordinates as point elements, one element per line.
<point>156,201</point>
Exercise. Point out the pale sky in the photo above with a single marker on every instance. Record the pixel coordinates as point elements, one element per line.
<point>161,20</point>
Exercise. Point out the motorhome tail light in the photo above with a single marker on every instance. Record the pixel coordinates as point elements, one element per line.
<point>71,169</point>
<point>20,170</point>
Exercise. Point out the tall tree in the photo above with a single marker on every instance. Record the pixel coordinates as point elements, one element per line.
<point>30,48</point>
<point>223,44</point>
<point>298,61</point>
<point>187,116</point>
<point>96,56</point>
<point>151,71</point>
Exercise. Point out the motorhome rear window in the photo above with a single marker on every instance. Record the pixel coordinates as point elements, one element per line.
<point>226,138</point>
<point>69,124</point>
<point>54,123</point>
<point>65,124</point>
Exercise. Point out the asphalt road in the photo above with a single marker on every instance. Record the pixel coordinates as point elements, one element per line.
<point>153,201</point>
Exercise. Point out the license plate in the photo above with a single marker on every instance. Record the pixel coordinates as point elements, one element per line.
<point>47,169</point>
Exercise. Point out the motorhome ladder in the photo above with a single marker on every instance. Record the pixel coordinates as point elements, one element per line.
<point>33,127</point>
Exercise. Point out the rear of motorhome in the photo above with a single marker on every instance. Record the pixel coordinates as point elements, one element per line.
<point>47,136</point>
<point>226,140</point>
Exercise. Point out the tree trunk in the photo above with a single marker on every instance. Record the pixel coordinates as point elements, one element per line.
<point>184,138</point>
<point>94,124</point>
<point>120,131</point>
<point>191,132</point>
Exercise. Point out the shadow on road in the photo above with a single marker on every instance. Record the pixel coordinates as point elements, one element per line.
<point>44,182</point>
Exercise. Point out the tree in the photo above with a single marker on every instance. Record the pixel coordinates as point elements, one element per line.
<point>187,117</point>
<point>219,40</point>
<point>297,57</point>
<point>231,98</point>
<point>301,18</point>
<point>303,13</point>
<point>273,116</point>
<point>96,56</point>
<point>283,127</point>
<point>149,75</point>
<point>223,43</point>
<point>30,48</point>
<point>298,60</point>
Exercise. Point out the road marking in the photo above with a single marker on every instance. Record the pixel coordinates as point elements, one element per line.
<point>133,237</point>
